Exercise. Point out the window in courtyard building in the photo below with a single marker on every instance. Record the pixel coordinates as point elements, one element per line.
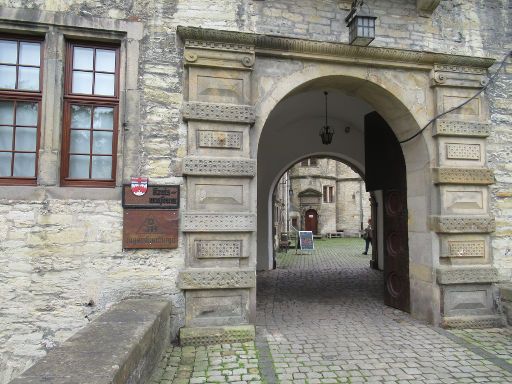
<point>20,104</point>
<point>309,162</point>
<point>90,125</point>
<point>328,194</point>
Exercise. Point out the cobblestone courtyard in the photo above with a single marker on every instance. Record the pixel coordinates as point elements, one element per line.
<point>321,319</point>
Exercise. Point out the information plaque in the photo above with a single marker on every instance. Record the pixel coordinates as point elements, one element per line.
<point>150,228</point>
<point>156,197</point>
<point>306,240</point>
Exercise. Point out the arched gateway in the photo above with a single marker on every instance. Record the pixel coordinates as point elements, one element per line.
<point>248,122</point>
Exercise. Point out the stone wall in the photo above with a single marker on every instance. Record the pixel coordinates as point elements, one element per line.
<point>61,259</point>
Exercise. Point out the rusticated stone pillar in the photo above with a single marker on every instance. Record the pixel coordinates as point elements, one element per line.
<point>220,275</point>
<point>463,222</point>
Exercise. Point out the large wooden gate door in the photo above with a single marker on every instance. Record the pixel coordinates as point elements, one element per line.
<point>385,170</point>
<point>311,221</point>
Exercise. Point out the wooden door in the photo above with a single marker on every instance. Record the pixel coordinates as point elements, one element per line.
<point>311,221</point>
<point>385,170</point>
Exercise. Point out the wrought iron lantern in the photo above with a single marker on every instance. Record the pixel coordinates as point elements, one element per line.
<point>361,24</point>
<point>326,132</point>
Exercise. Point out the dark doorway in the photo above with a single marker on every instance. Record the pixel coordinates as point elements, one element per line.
<point>311,221</point>
<point>385,171</point>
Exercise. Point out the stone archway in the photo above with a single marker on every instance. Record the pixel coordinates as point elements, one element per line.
<point>234,81</point>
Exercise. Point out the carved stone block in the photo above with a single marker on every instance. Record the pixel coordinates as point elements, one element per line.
<point>217,278</point>
<point>461,152</point>
<point>464,249</point>
<point>463,200</point>
<point>217,222</point>
<point>214,250</point>
<point>216,335</point>
<point>445,75</point>
<point>218,112</point>
<point>474,176</point>
<point>468,300</point>
<point>218,194</point>
<point>463,224</point>
<point>467,275</point>
<point>219,86</point>
<point>212,166</point>
<point>213,139</point>
<point>216,139</point>
<point>475,322</point>
<point>461,128</point>
<point>462,104</point>
<point>216,308</point>
<point>219,55</point>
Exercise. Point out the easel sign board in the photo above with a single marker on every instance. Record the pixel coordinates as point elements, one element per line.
<point>306,240</point>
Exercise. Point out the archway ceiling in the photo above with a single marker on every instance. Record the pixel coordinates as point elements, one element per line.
<point>306,105</point>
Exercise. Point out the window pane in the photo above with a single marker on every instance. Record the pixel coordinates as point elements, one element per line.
<point>82,82</point>
<point>26,139</point>
<point>80,142</point>
<point>103,118</point>
<point>30,53</point>
<point>104,84</point>
<point>7,76</point>
<point>24,165</point>
<point>6,138</point>
<point>79,167</point>
<point>105,60</point>
<point>6,112</point>
<point>5,164</point>
<point>26,114</point>
<point>101,167</point>
<point>80,116</point>
<point>82,58</point>
<point>28,78</point>
<point>8,51</point>
<point>102,143</point>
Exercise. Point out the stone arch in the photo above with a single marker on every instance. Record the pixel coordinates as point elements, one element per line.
<point>234,84</point>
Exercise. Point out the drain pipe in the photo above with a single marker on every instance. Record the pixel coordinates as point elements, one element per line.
<point>361,204</point>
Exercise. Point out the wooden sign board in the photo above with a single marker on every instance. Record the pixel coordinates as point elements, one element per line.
<point>306,240</point>
<point>150,228</point>
<point>156,197</point>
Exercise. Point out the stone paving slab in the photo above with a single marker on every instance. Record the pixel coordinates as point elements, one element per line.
<point>321,319</point>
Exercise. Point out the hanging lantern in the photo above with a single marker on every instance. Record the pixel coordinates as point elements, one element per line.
<point>326,132</point>
<point>361,25</point>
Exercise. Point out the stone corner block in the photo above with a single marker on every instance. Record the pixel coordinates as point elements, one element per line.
<point>213,166</point>
<point>216,335</point>
<point>219,222</point>
<point>461,128</point>
<point>471,176</point>
<point>467,275</point>
<point>475,322</point>
<point>216,278</point>
<point>463,224</point>
<point>229,113</point>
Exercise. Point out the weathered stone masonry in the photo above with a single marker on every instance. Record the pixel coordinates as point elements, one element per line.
<point>60,250</point>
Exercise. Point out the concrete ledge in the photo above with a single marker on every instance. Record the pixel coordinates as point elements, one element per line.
<point>123,345</point>
<point>217,335</point>
<point>475,322</point>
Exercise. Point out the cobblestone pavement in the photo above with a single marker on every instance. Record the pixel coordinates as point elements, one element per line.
<point>235,363</point>
<point>325,322</point>
<point>321,319</point>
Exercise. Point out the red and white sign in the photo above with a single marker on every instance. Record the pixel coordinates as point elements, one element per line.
<point>139,185</point>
